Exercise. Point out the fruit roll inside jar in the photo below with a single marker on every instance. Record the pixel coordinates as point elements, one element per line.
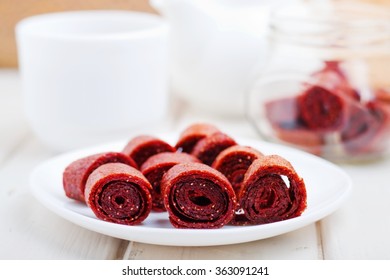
<point>334,78</point>
<point>141,147</point>
<point>192,134</point>
<point>271,191</point>
<point>368,129</point>
<point>284,118</point>
<point>76,173</point>
<point>322,109</point>
<point>119,193</point>
<point>156,166</point>
<point>321,74</point>
<point>197,196</point>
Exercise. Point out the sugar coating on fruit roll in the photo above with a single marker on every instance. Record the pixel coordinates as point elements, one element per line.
<point>208,148</point>
<point>119,193</point>
<point>192,134</point>
<point>197,196</point>
<point>156,166</point>
<point>271,191</point>
<point>141,147</point>
<point>76,173</point>
<point>234,161</point>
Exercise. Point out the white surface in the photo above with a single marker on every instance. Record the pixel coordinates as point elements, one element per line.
<point>90,76</point>
<point>327,187</point>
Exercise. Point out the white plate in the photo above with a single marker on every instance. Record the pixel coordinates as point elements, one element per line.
<point>327,188</point>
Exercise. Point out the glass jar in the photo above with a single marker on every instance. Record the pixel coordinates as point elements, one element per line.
<point>325,87</point>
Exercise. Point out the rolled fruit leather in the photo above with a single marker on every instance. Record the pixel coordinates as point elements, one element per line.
<point>208,148</point>
<point>368,129</point>
<point>266,196</point>
<point>283,115</point>
<point>156,166</point>
<point>234,161</point>
<point>323,105</point>
<point>141,147</point>
<point>76,173</point>
<point>192,134</point>
<point>119,193</point>
<point>197,196</point>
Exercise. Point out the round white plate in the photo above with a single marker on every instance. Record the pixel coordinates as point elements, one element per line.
<point>327,188</point>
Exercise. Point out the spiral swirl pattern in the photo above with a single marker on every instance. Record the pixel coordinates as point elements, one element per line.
<point>119,194</point>
<point>271,191</point>
<point>197,196</point>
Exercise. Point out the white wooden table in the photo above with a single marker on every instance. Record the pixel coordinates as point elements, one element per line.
<point>360,229</point>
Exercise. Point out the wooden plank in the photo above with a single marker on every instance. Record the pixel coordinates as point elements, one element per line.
<point>301,244</point>
<point>361,228</point>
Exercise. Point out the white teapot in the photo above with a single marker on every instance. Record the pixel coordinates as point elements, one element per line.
<point>215,45</point>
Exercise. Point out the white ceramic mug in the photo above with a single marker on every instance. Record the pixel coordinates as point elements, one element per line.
<point>92,76</point>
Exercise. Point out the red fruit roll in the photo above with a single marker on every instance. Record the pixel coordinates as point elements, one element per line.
<point>283,113</point>
<point>368,129</point>
<point>192,134</point>
<point>208,148</point>
<point>283,116</point>
<point>322,105</point>
<point>141,147</point>
<point>76,173</point>
<point>321,109</point>
<point>156,166</point>
<point>234,161</point>
<point>197,196</point>
<point>333,78</point>
<point>271,191</point>
<point>119,193</point>
<point>359,130</point>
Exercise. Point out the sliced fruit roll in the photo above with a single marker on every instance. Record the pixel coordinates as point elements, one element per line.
<point>156,166</point>
<point>287,126</point>
<point>234,161</point>
<point>76,173</point>
<point>271,191</point>
<point>119,193</point>
<point>322,109</point>
<point>197,196</point>
<point>208,148</point>
<point>141,147</point>
<point>192,134</point>
<point>368,129</point>
<point>333,77</point>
